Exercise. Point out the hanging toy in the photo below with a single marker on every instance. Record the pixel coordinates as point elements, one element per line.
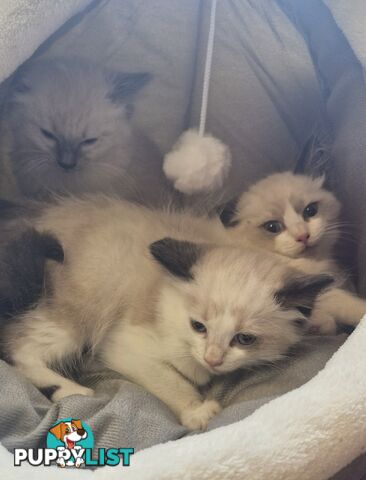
<point>199,162</point>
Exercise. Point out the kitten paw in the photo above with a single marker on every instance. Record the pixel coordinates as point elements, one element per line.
<point>322,325</point>
<point>63,392</point>
<point>197,417</point>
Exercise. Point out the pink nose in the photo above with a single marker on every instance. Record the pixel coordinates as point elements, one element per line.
<point>214,362</point>
<point>303,238</point>
<point>214,356</point>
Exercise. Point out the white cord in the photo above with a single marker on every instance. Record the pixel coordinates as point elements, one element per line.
<point>207,73</point>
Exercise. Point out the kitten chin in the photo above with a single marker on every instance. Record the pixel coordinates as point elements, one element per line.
<point>167,314</point>
<point>69,131</point>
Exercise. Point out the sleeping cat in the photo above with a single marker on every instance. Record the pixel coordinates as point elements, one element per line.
<point>293,216</point>
<point>166,313</point>
<point>68,130</point>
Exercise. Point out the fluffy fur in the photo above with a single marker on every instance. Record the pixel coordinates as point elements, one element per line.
<point>304,242</point>
<point>134,297</point>
<point>68,129</point>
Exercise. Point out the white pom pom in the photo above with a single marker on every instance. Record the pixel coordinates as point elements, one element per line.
<point>197,164</point>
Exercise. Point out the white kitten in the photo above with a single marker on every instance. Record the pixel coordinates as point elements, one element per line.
<point>168,314</point>
<point>293,216</point>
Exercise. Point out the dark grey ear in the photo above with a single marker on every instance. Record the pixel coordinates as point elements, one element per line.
<point>124,85</point>
<point>178,257</point>
<point>301,292</point>
<point>227,213</point>
<point>314,159</point>
<point>51,247</point>
<point>19,83</point>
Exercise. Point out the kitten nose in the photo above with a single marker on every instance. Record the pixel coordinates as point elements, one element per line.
<point>214,356</point>
<point>303,238</point>
<point>67,160</point>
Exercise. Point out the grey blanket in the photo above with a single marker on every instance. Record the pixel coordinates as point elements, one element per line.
<point>123,414</point>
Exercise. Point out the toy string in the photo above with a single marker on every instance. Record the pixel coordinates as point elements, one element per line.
<point>207,73</point>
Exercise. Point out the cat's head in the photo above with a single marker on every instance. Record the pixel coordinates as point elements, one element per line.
<point>285,213</point>
<point>69,125</point>
<point>230,307</point>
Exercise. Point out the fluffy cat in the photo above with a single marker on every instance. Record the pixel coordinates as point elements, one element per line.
<point>68,130</point>
<point>166,313</point>
<point>292,215</point>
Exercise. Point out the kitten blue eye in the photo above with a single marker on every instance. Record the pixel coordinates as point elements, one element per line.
<point>244,339</point>
<point>88,141</point>
<point>48,134</point>
<point>310,210</point>
<point>273,226</point>
<point>198,326</point>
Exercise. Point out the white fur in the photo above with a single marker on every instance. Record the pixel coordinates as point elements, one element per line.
<point>197,164</point>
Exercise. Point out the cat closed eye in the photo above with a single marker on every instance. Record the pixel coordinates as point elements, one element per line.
<point>89,141</point>
<point>310,210</point>
<point>198,327</point>
<point>273,226</point>
<point>243,339</point>
<point>48,134</point>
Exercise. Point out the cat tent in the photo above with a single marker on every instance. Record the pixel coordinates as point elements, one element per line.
<point>277,68</point>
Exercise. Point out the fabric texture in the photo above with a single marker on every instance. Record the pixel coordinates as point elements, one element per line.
<point>24,25</point>
<point>277,68</point>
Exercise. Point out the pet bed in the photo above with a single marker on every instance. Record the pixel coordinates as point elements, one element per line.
<point>277,68</point>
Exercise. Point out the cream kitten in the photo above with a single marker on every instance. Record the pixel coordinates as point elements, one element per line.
<point>69,129</point>
<point>167,314</point>
<point>293,216</point>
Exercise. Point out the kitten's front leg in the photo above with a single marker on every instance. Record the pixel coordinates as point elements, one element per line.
<point>166,383</point>
<point>337,305</point>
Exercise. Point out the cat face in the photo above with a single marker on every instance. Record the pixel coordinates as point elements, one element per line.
<point>69,126</point>
<point>287,214</point>
<point>232,308</point>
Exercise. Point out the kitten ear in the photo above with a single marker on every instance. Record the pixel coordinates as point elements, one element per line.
<point>50,247</point>
<point>228,211</point>
<point>320,180</point>
<point>124,85</point>
<point>19,84</point>
<point>178,257</point>
<point>314,159</point>
<point>300,292</point>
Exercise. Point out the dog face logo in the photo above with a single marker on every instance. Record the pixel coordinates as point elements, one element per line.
<point>69,433</point>
<point>70,443</point>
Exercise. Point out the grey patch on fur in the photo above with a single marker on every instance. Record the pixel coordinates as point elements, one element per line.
<point>178,257</point>
<point>301,292</point>
<point>127,84</point>
<point>22,263</point>
<point>10,210</point>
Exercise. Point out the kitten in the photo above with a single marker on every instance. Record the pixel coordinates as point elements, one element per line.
<point>166,313</point>
<point>293,216</point>
<point>68,129</point>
